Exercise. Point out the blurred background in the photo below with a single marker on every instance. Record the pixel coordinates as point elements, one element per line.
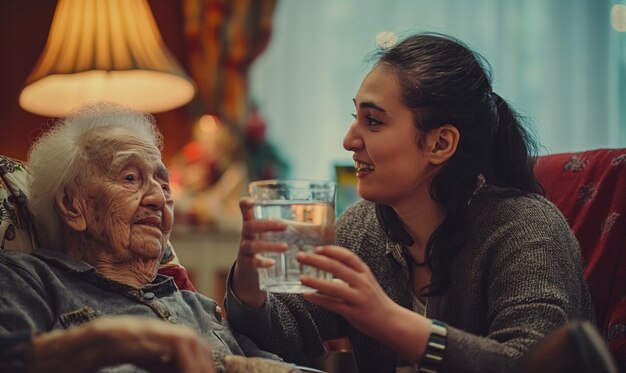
<point>272,83</point>
<point>561,63</point>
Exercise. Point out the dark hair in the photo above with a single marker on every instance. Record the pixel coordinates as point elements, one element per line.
<point>444,82</point>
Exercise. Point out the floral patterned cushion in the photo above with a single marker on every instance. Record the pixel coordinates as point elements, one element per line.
<point>17,228</point>
<point>590,189</point>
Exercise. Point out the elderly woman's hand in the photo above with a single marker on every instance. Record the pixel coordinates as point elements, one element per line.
<point>245,283</point>
<point>154,345</point>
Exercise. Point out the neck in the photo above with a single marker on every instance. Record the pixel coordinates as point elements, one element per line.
<point>128,269</point>
<point>137,275</point>
<point>420,217</point>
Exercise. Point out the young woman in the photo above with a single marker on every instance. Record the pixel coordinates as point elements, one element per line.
<point>454,262</point>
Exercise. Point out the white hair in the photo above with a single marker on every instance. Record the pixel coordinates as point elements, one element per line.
<point>54,160</point>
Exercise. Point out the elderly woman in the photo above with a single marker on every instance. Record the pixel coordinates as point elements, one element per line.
<point>92,298</point>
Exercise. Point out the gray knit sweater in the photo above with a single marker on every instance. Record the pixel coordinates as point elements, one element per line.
<point>517,278</point>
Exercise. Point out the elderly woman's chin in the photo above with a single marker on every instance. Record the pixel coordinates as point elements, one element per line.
<point>149,246</point>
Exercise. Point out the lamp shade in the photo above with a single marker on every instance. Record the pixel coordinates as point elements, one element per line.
<point>108,50</point>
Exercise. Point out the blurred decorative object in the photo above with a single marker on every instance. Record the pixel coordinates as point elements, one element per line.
<point>264,160</point>
<point>386,39</point>
<point>211,172</point>
<point>225,37</point>
<point>347,183</point>
<point>208,177</point>
<point>576,347</point>
<point>105,50</point>
<point>618,17</point>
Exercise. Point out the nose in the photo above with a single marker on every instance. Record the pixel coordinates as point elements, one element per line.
<point>155,197</point>
<point>352,141</point>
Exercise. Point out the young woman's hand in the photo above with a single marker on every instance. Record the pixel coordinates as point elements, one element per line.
<point>355,294</point>
<point>245,283</point>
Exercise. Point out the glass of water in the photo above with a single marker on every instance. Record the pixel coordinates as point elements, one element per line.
<point>308,209</point>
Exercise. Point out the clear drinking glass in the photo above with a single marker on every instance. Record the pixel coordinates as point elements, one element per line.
<point>308,208</point>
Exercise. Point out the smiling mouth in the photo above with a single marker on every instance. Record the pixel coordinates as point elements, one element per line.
<point>150,222</point>
<point>363,167</point>
<point>154,225</point>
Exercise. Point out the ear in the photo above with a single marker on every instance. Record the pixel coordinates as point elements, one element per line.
<point>443,142</point>
<point>69,207</point>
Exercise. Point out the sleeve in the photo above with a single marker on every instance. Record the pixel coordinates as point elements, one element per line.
<point>533,275</point>
<point>286,325</point>
<point>24,304</point>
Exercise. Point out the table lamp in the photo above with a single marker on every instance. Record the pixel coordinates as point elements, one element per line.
<point>105,50</point>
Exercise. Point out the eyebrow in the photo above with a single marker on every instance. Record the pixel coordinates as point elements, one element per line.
<point>369,105</point>
<point>121,160</point>
<point>163,172</point>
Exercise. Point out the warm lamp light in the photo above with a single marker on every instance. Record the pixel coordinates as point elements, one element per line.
<point>108,50</point>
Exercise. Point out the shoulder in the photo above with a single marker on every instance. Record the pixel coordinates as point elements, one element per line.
<point>22,264</point>
<point>15,258</point>
<point>501,206</point>
<point>359,224</point>
<point>510,223</point>
<point>361,213</point>
<point>358,219</point>
<point>22,271</point>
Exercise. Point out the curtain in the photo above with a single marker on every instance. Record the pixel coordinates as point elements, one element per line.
<point>559,63</point>
<point>211,171</point>
<point>224,37</point>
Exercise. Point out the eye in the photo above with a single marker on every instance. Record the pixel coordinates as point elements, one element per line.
<point>371,121</point>
<point>166,187</point>
<point>131,176</point>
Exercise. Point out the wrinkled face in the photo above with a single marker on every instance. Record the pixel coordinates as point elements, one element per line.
<point>128,205</point>
<point>390,164</point>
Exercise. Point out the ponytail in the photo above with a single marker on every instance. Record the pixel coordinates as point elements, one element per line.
<point>512,155</point>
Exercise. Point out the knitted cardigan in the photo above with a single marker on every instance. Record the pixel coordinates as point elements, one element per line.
<point>516,278</point>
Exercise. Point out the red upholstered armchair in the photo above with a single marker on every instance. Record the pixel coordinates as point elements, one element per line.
<point>590,189</point>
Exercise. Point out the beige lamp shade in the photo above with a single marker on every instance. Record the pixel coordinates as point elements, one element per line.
<point>107,50</point>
